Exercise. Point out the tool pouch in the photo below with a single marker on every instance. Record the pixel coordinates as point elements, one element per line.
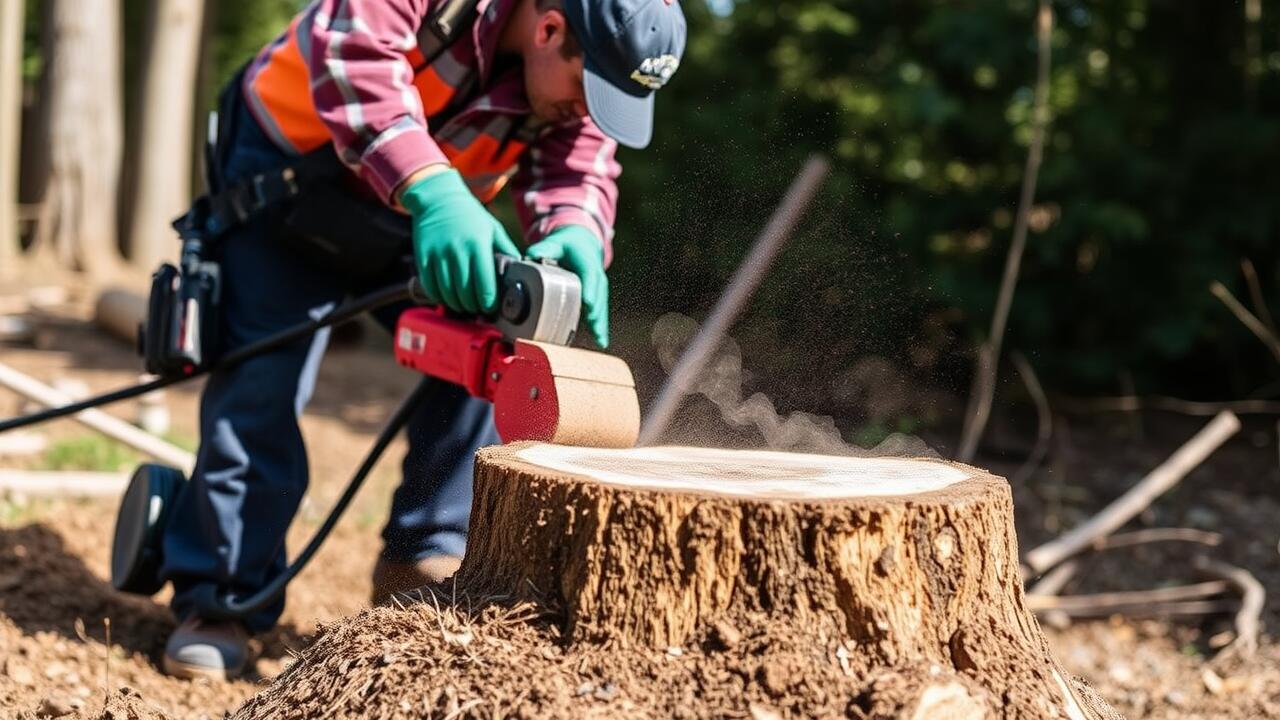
<point>346,233</point>
<point>180,331</point>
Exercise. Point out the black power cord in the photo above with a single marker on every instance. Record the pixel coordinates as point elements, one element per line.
<point>213,604</point>
<point>346,311</point>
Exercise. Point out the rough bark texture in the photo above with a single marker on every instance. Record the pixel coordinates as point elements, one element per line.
<point>85,133</point>
<point>161,180</point>
<point>810,598</point>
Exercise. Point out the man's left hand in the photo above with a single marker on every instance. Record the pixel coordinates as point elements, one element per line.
<point>578,249</point>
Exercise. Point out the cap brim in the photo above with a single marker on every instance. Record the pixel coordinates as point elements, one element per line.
<point>622,116</point>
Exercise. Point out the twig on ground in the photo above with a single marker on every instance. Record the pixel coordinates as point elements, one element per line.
<point>1255,293</point>
<point>64,483</point>
<point>1057,578</point>
<point>1128,598</point>
<point>1150,610</point>
<point>1155,535</point>
<point>1139,497</point>
<point>982,392</point>
<point>1054,580</point>
<point>1247,318</point>
<point>1044,418</point>
<point>1253,597</point>
<point>1131,403</point>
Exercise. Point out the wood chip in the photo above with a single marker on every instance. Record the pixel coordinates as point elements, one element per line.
<point>1212,682</point>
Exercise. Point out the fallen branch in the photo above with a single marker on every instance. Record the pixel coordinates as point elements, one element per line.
<point>108,425</point>
<point>1151,610</point>
<point>63,483</point>
<point>1044,419</point>
<point>1131,403</point>
<point>1247,318</point>
<point>1127,598</point>
<point>984,379</point>
<point>1253,597</point>
<point>1155,535</point>
<point>1057,578</point>
<point>1255,293</point>
<point>1139,497</point>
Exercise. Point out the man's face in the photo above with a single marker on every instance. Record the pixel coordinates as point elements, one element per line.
<point>553,77</point>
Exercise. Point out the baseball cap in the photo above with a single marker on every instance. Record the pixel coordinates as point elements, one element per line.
<point>630,49</point>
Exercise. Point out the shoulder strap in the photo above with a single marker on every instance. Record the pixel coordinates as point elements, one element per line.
<point>446,24</point>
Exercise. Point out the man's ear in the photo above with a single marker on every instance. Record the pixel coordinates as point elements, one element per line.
<point>551,29</point>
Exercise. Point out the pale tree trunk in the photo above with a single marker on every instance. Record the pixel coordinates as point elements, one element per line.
<point>161,188</point>
<point>11,24</point>
<point>78,222</point>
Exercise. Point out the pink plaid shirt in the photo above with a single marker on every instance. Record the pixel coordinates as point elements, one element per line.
<point>386,116</point>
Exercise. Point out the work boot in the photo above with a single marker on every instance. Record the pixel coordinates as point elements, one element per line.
<point>391,577</point>
<point>205,648</point>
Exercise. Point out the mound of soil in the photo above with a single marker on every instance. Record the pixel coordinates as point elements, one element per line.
<point>446,654</point>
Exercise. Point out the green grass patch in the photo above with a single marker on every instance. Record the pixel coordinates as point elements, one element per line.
<point>89,452</point>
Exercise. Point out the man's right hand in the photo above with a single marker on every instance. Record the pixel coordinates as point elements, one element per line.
<point>454,240</point>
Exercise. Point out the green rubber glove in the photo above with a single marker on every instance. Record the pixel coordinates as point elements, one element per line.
<point>454,239</point>
<point>578,249</point>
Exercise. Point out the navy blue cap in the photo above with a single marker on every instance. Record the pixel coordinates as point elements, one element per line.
<point>630,49</point>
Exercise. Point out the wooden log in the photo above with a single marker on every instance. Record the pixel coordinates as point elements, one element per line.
<point>690,582</point>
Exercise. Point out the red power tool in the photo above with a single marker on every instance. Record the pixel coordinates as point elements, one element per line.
<point>540,388</point>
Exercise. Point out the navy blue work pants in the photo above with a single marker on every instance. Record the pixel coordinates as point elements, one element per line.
<point>229,523</point>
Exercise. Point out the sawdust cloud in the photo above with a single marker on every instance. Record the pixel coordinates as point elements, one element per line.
<point>721,383</point>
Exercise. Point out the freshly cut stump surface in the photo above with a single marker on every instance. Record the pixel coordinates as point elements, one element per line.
<point>691,582</point>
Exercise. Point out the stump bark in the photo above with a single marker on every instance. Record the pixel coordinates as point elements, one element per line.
<point>914,562</point>
<point>692,583</point>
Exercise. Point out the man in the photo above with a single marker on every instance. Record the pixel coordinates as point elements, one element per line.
<point>534,95</point>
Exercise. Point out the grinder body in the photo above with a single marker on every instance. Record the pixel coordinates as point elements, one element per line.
<point>540,388</point>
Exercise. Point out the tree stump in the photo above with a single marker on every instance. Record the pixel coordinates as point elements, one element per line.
<point>883,587</point>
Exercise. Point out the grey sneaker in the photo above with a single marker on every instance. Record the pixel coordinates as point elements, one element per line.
<point>203,648</point>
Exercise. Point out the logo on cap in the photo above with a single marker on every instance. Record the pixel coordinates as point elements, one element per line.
<point>654,72</point>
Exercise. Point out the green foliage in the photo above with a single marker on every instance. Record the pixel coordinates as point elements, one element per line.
<point>242,28</point>
<point>1157,179</point>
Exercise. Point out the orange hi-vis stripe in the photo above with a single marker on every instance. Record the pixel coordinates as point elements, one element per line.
<point>282,89</point>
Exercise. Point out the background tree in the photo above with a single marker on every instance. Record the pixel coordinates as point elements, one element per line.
<point>159,186</point>
<point>11,27</point>
<point>82,66</point>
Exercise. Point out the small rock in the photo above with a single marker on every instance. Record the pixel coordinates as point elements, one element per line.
<point>1177,698</point>
<point>774,679</point>
<point>1212,682</point>
<point>19,673</point>
<point>763,712</point>
<point>606,692</point>
<point>55,670</point>
<point>585,689</point>
<point>58,705</point>
<point>1122,674</point>
<point>726,634</point>
<point>675,651</point>
<point>1221,640</point>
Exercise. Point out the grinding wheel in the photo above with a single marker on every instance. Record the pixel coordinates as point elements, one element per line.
<point>567,396</point>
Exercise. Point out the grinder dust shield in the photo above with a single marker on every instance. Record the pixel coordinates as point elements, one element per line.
<point>137,550</point>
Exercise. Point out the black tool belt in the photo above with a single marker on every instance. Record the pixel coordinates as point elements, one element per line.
<point>323,220</point>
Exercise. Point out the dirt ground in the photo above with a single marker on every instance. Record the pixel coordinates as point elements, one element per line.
<point>57,608</point>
